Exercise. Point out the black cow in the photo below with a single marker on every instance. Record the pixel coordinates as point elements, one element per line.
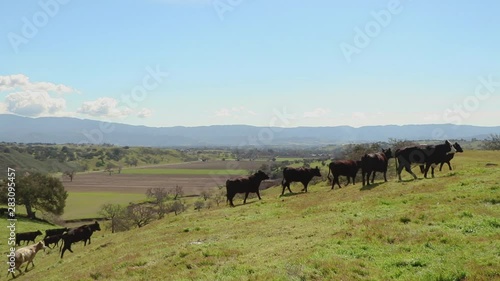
<point>375,162</point>
<point>244,185</point>
<point>52,239</point>
<point>347,168</point>
<point>447,158</point>
<point>302,175</point>
<point>430,155</point>
<point>81,233</point>
<point>55,231</point>
<point>27,236</point>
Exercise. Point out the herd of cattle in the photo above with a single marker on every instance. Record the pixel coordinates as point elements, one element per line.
<point>52,236</point>
<point>425,156</point>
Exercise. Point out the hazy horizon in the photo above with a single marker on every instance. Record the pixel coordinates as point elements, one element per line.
<point>165,63</point>
<point>236,124</point>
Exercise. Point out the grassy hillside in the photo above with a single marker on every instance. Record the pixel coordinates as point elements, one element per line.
<point>445,228</point>
<point>26,162</point>
<point>54,158</point>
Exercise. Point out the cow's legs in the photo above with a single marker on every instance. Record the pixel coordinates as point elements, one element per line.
<point>230,198</point>
<point>13,275</point>
<point>286,185</point>
<point>28,264</point>
<point>367,175</point>
<point>427,166</point>
<point>408,169</point>
<point>399,170</point>
<point>246,196</point>
<point>283,184</point>
<point>336,179</point>
<point>305,186</point>
<point>432,169</point>
<point>422,169</point>
<point>385,176</point>
<point>348,180</point>
<point>66,248</point>
<point>258,195</point>
<point>373,177</point>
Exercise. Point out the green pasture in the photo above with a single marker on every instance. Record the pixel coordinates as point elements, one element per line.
<point>154,171</point>
<point>445,228</point>
<point>87,204</point>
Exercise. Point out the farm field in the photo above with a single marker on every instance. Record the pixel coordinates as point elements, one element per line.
<point>193,177</point>
<point>446,228</point>
<point>89,191</point>
<point>157,171</point>
<point>214,165</point>
<point>87,204</point>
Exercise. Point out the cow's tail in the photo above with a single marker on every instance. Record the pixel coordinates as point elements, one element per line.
<point>328,176</point>
<point>283,180</point>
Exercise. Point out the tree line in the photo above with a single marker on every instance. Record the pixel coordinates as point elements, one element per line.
<point>161,201</point>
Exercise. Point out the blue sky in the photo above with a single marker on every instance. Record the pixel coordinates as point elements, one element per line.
<point>204,62</point>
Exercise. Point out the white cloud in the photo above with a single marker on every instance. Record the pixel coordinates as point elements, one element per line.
<point>251,112</point>
<point>103,107</point>
<point>21,82</point>
<point>145,113</point>
<point>3,108</point>
<point>316,113</point>
<point>358,115</point>
<point>223,112</point>
<point>33,104</point>
<point>235,111</point>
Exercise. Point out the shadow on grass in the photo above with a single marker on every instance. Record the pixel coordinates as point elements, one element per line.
<point>291,194</point>
<point>248,203</point>
<point>345,185</point>
<point>410,180</point>
<point>371,186</point>
<point>449,174</point>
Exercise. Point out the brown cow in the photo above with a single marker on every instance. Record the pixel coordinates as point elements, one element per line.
<point>347,168</point>
<point>375,162</point>
<point>302,175</point>
<point>244,185</point>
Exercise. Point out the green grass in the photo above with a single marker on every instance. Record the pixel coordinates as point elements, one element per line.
<point>153,171</point>
<point>446,228</point>
<point>87,204</point>
<point>24,161</point>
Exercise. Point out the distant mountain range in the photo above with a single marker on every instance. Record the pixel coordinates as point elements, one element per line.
<point>73,130</point>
